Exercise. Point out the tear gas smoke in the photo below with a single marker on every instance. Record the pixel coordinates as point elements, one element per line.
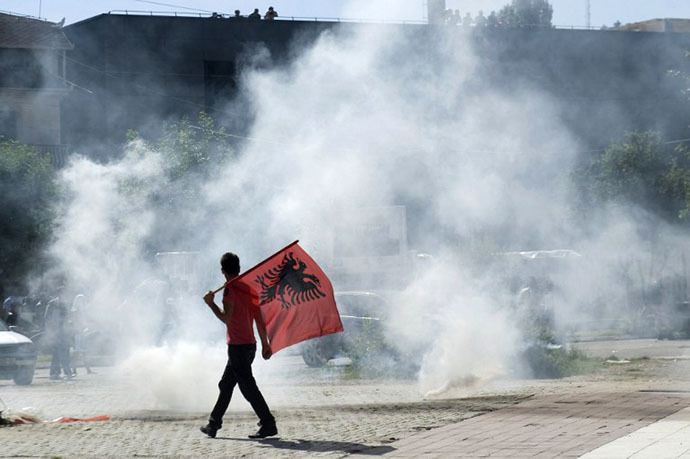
<point>367,116</point>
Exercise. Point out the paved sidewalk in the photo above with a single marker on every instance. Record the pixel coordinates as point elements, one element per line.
<point>565,426</point>
<point>668,437</point>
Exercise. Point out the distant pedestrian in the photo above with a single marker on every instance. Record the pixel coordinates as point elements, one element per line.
<point>467,20</point>
<point>16,316</point>
<point>81,333</point>
<point>237,15</point>
<point>255,15</point>
<point>6,313</point>
<point>58,337</point>
<point>271,14</point>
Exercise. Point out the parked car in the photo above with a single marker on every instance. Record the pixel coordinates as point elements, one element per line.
<point>361,314</point>
<point>17,356</point>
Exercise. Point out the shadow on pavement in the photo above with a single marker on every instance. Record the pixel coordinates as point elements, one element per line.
<point>315,446</point>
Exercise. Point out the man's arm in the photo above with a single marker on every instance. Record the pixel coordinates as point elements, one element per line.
<point>226,314</point>
<point>266,351</point>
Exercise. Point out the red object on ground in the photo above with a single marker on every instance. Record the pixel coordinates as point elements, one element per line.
<point>104,417</point>
<point>26,420</point>
<point>295,297</point>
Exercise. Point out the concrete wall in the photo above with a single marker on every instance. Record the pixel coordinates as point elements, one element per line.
<point>144,69</point>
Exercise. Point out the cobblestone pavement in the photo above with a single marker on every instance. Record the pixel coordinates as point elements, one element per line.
<point>319,413</point>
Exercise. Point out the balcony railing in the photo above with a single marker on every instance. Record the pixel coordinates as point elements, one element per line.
<point>208,14</point>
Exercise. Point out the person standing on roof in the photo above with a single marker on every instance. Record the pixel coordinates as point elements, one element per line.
<point>271,14</point>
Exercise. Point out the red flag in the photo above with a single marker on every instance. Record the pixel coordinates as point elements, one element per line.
<point>295,297</point>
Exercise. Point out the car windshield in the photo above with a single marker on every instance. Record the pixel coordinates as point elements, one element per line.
<point>3,327</point>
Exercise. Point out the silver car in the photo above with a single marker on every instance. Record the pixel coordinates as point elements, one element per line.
<point>17,356</point>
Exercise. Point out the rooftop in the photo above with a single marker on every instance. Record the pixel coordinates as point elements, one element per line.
<point>27,32</point>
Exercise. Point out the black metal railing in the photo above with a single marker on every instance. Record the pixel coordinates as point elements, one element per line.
<point>324,19</point>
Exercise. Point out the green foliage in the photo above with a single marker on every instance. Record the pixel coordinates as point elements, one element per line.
<point>676,185</point>
<point>193,147</point>
<point>548,362</point>
<point>640,171</point>
<point>27,195</point>
<point>526,13</point>
<point>372,358</point>
<point>191,153</point>
<point>368,342</point>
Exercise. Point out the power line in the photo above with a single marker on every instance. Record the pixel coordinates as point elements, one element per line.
<point>235,136</point>
<point>203,107</point>
<point>174,6</point>
<point>151,92</point>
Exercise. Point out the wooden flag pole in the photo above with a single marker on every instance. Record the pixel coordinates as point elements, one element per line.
<point>253,267</point>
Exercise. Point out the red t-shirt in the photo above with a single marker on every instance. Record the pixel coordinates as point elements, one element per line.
<point>245,300</point>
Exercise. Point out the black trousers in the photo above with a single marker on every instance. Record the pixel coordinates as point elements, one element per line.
<point>60,359</point>
<point>238,372</point>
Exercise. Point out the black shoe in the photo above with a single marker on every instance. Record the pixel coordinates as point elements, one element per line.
<point>265,431</point>
<point>209,430</point>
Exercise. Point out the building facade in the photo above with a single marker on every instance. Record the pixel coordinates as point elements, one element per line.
<point>143,70</point>
<point>32,82</point>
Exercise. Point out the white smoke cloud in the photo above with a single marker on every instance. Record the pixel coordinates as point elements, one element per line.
<point>179,376</point>
<point>100,233</point>
<point>368,116</point>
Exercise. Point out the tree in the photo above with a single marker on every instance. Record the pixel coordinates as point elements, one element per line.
<point>192,152</point>
<point>526,13</point>
<point>640,171</point>
<point>28,193</point>
<point>193,147</point>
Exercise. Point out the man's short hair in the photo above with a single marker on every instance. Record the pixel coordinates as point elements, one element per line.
<point>230,263</point>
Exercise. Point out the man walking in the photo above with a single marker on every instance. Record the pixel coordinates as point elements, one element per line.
<point>240,311</point>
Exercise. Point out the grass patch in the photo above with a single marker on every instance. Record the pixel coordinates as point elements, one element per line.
<point>550,363</point>
<point>372,358</point>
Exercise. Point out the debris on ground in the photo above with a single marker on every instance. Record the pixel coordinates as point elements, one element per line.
<point>32,415</point>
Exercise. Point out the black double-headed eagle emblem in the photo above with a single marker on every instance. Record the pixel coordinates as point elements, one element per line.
<point>289,283</point>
